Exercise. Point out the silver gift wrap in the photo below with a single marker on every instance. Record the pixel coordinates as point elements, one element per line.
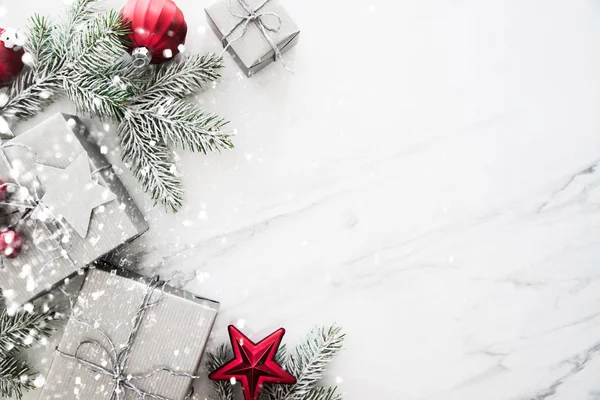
<point>247,42</point>
<point>56,142</point>
<point>171,339</point>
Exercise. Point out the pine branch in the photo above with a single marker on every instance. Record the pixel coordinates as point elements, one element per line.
<point>39,43</point>
<point>183,124</point>
<point>22,329</point>
<point>13,373</point>
<point>123,73</point>
<point>182,77</point>
<point>99,42</point>
<point>323,393</point>
<point>29,94</point>
<point>78,14</point>
<point>308,363</point>
<point>96,96</point>
<point>150,163</point>
<point>223,389</point>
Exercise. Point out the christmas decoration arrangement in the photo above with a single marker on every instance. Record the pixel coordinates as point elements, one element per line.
<point>82,57</point>
<point>256,364</point>
<point>64,208</point>
<point>255,32</point>
<point>20,331</point>
<point>130,336</point>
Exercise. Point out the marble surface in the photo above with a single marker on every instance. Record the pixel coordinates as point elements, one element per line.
<point>428,178</point>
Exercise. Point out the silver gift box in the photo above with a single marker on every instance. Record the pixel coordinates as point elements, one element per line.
<point>56,142</point>
<point>252,51</point>
<point>172,336</point>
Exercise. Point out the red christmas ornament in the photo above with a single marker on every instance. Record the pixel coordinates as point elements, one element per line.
<point>158,30</point>
<point>10,243</point>
<point>11,54</point>
<point>3,190</point>
<point>254,364</point>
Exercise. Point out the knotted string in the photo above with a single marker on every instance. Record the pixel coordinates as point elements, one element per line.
<point>254,15</point>
<point>117,360</point>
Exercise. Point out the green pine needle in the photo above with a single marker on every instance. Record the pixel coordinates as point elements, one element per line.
<point>79,12</point>
<point>184,125</point>
<point>223,389</point>
<point>182,77</point>
<point>150,162</point>
<point>323,393</point>
<point>39,43</point>
<point>22,329</point>
<point>309,361</point>
<point>14,378</point>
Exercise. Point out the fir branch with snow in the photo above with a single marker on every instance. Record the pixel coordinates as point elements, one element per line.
<point>19,331</point>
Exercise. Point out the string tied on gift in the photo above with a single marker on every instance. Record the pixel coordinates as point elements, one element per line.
<point>255,15</point>
<point>116,366</point>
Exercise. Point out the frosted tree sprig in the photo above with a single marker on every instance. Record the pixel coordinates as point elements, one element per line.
<point>19,331</point>
<point>82,57</point>
<point>308,363</point>
<point>11,383</point>
<point>223,389</point>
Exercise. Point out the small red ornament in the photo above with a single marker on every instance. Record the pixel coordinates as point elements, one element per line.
<point>11,54</point>
<point>3,190</point>
<point>158,30</point>
<point>254,364</point>
<point>10,243</point>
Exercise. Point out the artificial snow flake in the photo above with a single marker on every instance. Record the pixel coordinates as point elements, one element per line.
<point>39,381</point>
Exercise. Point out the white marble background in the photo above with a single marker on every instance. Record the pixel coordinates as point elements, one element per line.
<point>423,179</point>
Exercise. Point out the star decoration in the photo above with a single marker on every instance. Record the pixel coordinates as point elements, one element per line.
<point>72,194</point>
<point>254,363</point>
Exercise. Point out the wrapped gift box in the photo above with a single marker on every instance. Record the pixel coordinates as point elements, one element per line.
<point>35,161</point>
<point>249,43</point>
<point>103,353</point>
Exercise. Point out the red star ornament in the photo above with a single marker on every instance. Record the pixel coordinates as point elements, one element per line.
<point>254,363</point>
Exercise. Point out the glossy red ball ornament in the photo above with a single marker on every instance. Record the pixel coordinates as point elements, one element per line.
<point>11,54</point>
<point>10,243</point>
<point>158,30</point>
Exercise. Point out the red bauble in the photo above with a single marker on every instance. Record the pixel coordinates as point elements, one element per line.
<point>3,190</point>
<point>158,30</point>
<point>254,363</point>
<point>11,55</point>
<point>10,243</point>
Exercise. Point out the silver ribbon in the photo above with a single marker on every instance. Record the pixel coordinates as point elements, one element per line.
<point>117,360</point>
<point>254,15</point>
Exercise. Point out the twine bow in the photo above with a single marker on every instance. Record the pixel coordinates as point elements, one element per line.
<point>117,360</point>
<point>255,15</point>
